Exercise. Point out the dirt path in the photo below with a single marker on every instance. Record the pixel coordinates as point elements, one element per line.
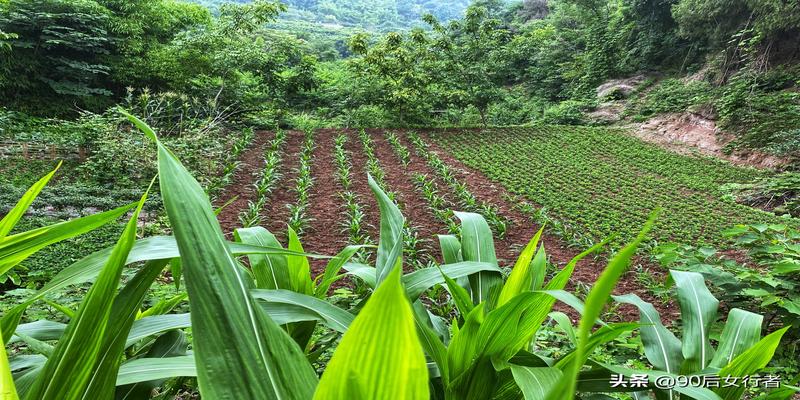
<point>251,162</point>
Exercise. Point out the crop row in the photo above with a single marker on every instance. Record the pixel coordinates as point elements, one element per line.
<point>298,212</point>
<point>231,163</point>
<point>466,200</point>
<point>355,218</point>
<point>601,181</point>
<point>412,244</point>
<point>268,178</point>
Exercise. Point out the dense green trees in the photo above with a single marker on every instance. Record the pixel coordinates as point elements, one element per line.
<point>69,55</point>
<point>493,63</point>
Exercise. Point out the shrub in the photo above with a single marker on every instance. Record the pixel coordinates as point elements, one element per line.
<point>767,282</point>
<point>370,116</point>
<point>673,95</point>
<point>568,112</point>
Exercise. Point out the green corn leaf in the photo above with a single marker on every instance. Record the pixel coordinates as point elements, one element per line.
<point>240,353</point>
<point>150,369</point>
<point>16,248</point>
<point>7,389</point>
<point>477,244</point>
<point>749,362</point>
<point>170,344</point>
<point>521,278</point>
<point>42,330</point>
<point>333,267</point>
<point>87,268</point>
<point>68,373</point>
<point>698,312</point>
<point>390,243</point>
<point>364,272</point>
<point>380,356</point>
<point>742,330</point>
<point>594,306</point>
<point>535,383</point>
<point>15,214</point>
<point>419,281</point>
<point>304,306</point>
<point>563,322</point>
<point>431,343</point>
<point>298,267</point>
<point>123,313</point>
<point>176,268</point>
<point>661,347</point>
<point>149,326</point>
<point>270,270</point>
<point>36,345</point>
<point>451,249</point>
<point>460,295</point>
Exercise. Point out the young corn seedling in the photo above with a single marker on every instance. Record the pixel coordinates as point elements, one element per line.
<point>399,149</point>
<point>298,218</point>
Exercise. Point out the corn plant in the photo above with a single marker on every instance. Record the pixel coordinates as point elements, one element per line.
<point>399,149</point>
<point>436,202</point>
<point>343,165</point>
<point>298,218</point>
<point>740,351</point>
<point>354,223</point>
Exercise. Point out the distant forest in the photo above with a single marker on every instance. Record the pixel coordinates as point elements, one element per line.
<point>376,15</point>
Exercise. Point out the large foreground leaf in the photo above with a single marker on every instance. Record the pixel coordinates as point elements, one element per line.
<point>380,356</point>
<point>239,351</point>
<point>7,389</point>
<point>390,243</point>
<point>70,370</point>
<point>698,312</point>
<point>477,244</point>
<point>748,363</point>
<point>16,248</point>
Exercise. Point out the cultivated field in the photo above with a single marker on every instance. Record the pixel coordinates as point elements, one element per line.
<point>585,184</point>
